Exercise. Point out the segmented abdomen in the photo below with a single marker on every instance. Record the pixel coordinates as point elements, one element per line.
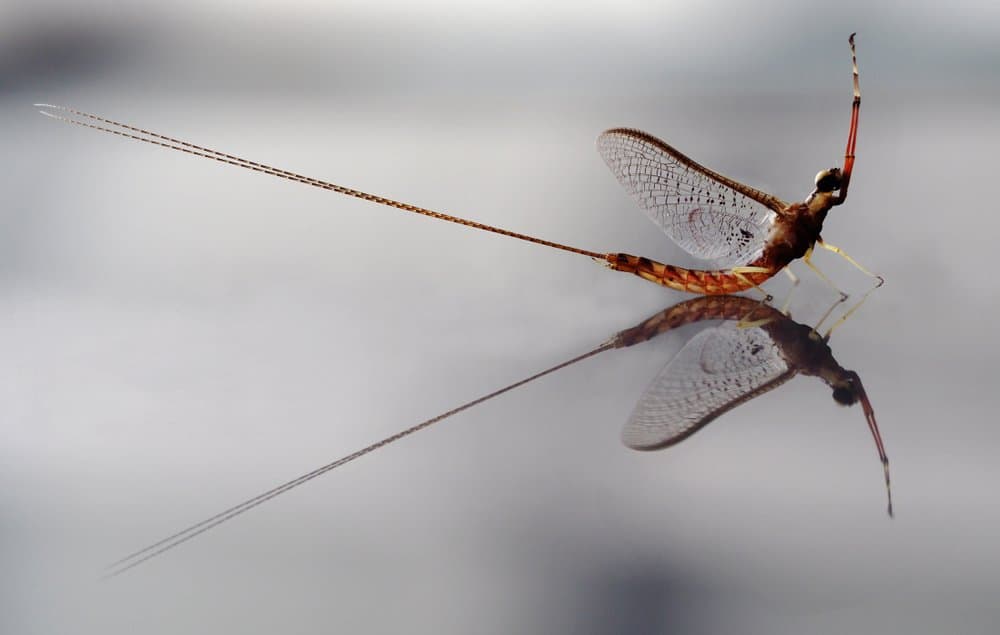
<point>718,282</point>
<point>728,307</point>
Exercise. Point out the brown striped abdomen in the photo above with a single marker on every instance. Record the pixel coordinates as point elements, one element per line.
<point>718,282</point>
<point>727,307</point>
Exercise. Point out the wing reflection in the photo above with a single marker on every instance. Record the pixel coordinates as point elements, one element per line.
<point>755,349</point>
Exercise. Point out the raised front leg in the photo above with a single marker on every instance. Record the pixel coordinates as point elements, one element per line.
<point>852,134</point>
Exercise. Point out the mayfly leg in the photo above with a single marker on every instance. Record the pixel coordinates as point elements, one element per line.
<point>846,315</point>
<point>879,280</point>
<point>807,258</point>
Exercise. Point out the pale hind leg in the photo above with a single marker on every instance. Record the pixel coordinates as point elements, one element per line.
<point>848,314</point>
<point>879,280</point>
<point>807,258</point>
<point>746,321</point>
<point>795,283</point>
<point>738,274</point>
<point>827,315</point>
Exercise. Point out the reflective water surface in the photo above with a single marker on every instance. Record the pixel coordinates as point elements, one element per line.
<point>180,336</point>
<point>755,350</point>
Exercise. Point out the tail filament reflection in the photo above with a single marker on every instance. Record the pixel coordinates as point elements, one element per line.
<point>755,349</point>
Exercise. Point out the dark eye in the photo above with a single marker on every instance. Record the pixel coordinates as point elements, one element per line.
<point>846,394</point>
<point>828,180</point>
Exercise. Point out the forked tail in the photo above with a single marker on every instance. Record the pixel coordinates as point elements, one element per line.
<point>103,124</point>
<point>716,282</point>
<point>176,539</point>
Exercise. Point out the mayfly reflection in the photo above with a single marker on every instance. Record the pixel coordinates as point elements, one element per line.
<point>756,348</point>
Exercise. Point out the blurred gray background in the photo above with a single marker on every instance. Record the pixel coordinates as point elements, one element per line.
<point>179,335</point>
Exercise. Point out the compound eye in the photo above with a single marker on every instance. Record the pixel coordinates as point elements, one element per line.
<point>846,392</point>
<point>828,180</point>
<point>845,396</point>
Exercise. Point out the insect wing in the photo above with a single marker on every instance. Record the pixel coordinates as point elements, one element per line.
<point>717,370</point>
<point>709,215</point>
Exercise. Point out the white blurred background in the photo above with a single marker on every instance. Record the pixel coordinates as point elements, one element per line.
<point>179,335</point>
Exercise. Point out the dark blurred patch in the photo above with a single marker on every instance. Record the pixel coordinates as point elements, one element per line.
<point>51,53</point>
<point>644,597</point>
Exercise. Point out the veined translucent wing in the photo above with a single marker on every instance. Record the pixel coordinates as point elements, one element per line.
<point>717,370</point>
<point>709,215</point>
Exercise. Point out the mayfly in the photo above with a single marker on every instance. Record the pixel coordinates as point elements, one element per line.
<point>756,349</point>
<point>750,235</point>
